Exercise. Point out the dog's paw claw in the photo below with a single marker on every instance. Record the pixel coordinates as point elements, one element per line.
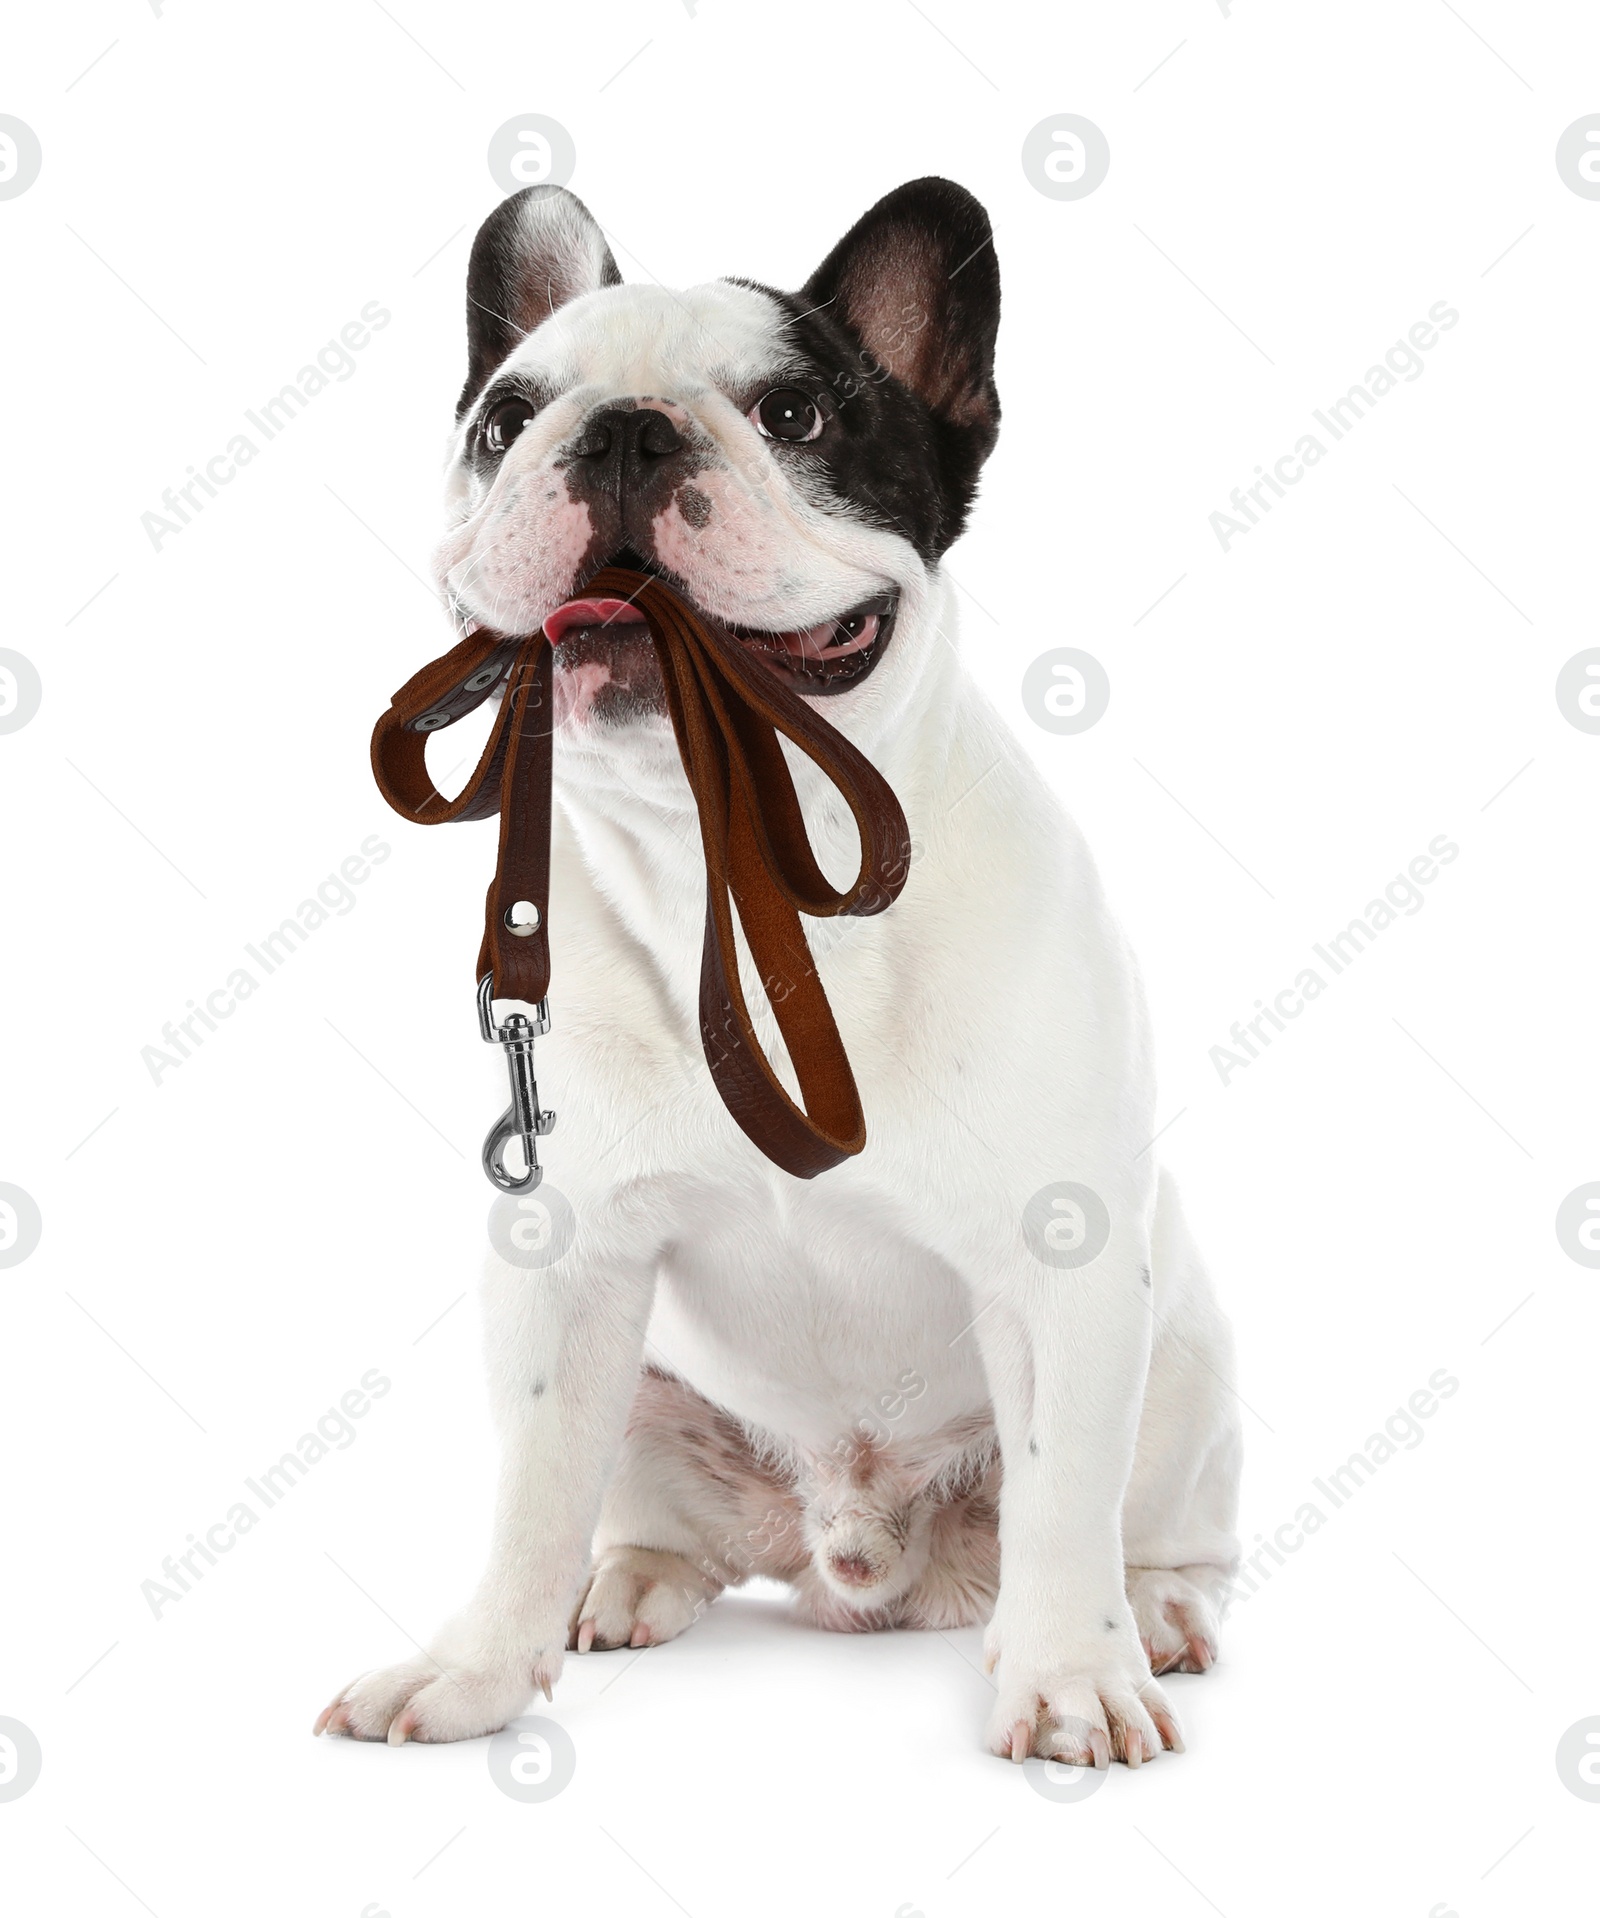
<point>1178,1624</point>
<point>332,1718</point>
<point>431,1703</point>
<point>639,1597</point>
<point>1089,1720</point>
<point>1161,1715</point>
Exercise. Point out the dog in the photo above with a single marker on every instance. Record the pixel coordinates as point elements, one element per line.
<point>977,1374</point>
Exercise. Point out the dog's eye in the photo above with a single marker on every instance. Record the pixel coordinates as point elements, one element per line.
<point>504,423</point>
<point>786,414</point>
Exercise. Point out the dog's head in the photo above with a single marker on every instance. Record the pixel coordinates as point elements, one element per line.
<point>793,464</point>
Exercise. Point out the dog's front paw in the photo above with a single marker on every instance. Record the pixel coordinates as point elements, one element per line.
<point>434,1702</point>
<point>1079,1709</point>
<point>1177,1621</point>
<point>639,1597</point>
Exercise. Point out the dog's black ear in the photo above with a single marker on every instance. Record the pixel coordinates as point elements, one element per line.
<point>916,280</point>
<point>537,250</point>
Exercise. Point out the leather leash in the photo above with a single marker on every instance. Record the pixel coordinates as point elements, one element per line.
<point>727,711</point>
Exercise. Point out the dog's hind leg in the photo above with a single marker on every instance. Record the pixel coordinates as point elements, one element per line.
<point>690,1510</point>
<point>1182,1500</point>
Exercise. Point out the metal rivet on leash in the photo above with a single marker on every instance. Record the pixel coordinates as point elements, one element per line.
<point>522,919</point>
<point>486,676</point>
<point>431,722</point>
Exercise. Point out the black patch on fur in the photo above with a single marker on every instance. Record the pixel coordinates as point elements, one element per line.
<point>878,451</point>
<point>1033,1448</point>
<point>897,330</point>
<point>522,386</point>
<point>627,464</point>
<point>513,283</point>
<point>915,279</point>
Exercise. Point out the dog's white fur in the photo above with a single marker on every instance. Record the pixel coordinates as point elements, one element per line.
<point>823,1377</point>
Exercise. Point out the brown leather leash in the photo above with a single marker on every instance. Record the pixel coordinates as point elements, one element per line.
<point>727,711</point>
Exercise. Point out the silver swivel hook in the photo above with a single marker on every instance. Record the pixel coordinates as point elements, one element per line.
<point>522,1119</point>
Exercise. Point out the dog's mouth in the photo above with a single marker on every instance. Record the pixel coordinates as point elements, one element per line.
<point>829,657</point>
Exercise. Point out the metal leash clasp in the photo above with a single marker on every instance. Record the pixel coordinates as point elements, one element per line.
<point>522,1119</point>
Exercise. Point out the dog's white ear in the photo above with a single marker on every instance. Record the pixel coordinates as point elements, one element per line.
<point>916,281</point>
<point>537,250</point>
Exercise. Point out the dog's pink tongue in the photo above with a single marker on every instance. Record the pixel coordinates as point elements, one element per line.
<point>830,640</point>
<point>591,612</point>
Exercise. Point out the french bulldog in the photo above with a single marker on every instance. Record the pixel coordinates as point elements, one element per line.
<point>978,1374</point>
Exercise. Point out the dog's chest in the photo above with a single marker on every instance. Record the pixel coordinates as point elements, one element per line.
<point>808,1316</point>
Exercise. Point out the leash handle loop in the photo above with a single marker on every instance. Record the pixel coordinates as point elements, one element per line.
<point>728,711</point>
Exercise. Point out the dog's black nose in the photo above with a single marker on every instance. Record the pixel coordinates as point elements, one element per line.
<point>620,447</point>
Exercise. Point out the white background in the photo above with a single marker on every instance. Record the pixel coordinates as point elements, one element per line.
<point>1294,721</point>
